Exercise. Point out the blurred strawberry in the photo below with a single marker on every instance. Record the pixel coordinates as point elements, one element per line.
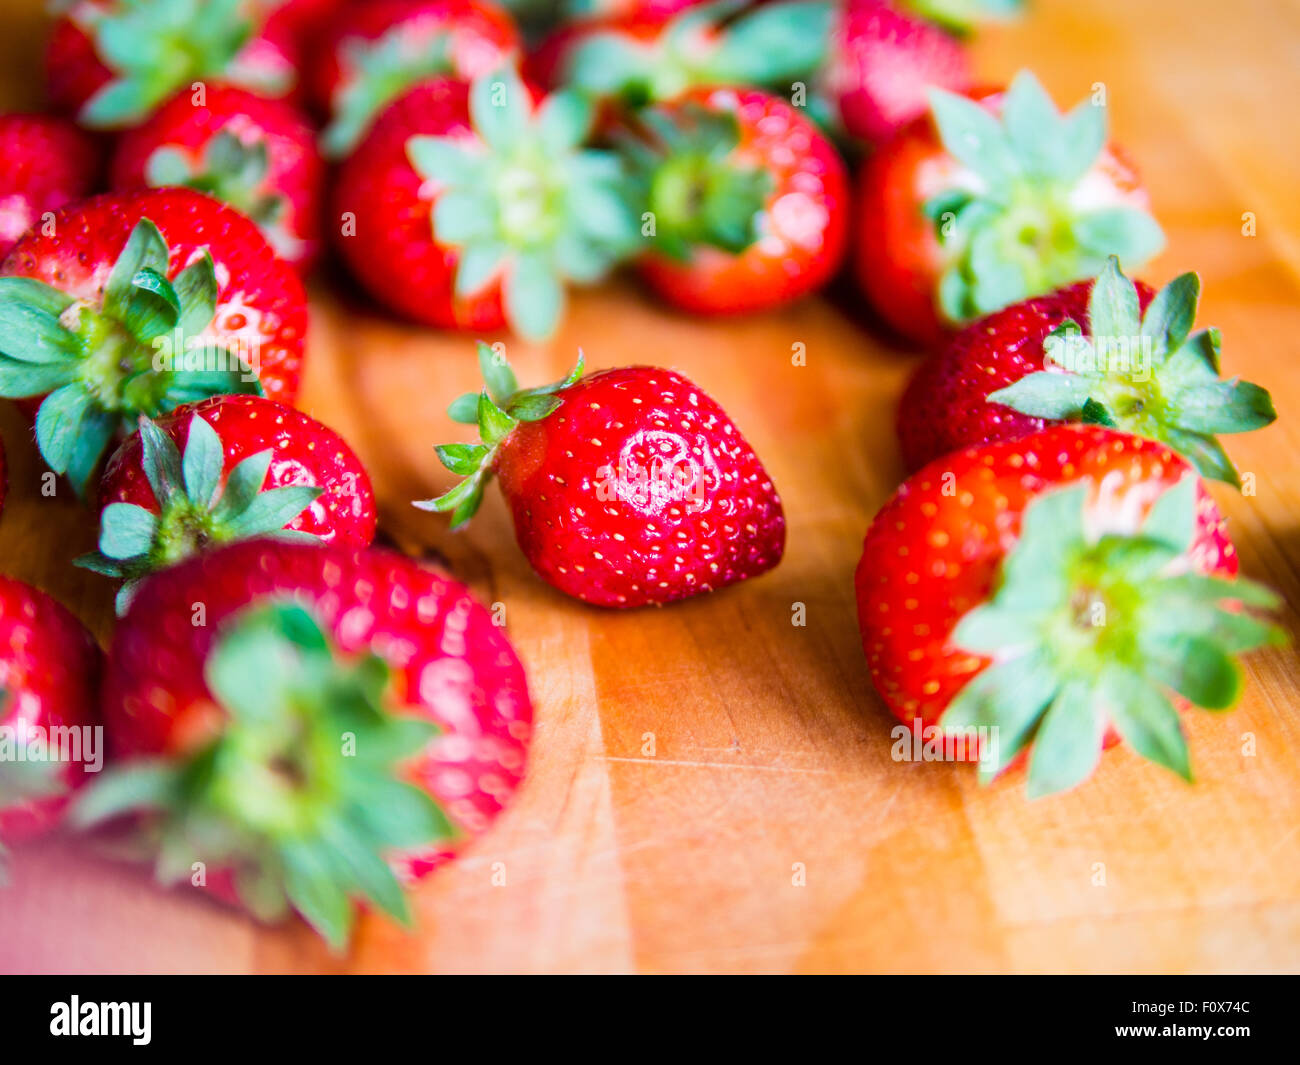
<point>341,722</point>
<point>134,303</point>
<point>993,199</point>
<point>255,154</point>
<point>49,677</point>
<point>638,58</point>
<point>376,51</point>
<point>48,162</point>
<point>471,208</point>
<point>749,201</point>
<point>880,63</point>
<point>112,63</point>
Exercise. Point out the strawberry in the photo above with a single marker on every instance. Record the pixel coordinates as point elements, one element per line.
<point>228,468</point>
<point>470,207</point>
<point>1051,589</point>
<point>49,162</point>
<point>334,721</point>
<point>257,155</point>
<point>629,487</point>
<point>880,62</point>
<point>135,303</point>
<point>749,201</point>
<point>111,63</point>
<point>377,51</point>
<point>633,59</point>
<point>1109,352</point>
<point>994,199</point>
<point>49,675</point>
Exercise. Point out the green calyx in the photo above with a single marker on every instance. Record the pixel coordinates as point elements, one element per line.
<point>774,45</point>
<point>380,71</point>
<point>963,17</point>
<point>527,204</point>
<point>1021,228</point>
<point>496,411</point>
<point>156,47</point>
<point>690,185</point>
<point>1090,632</point>
<point>142,351</point>
<point>1146,374</point>
<point>235,173</point>
<point>195,510</point>
<point>301,794</point>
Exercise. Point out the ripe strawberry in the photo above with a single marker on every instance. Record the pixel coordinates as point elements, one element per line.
<point>135,303</point>
<point>1005,200</point>
<point>255,154</point>
<point>470,207</point>
<point>1108,352</point>
<point>377,51</point>
<point>749,201</point>
<point>111,63</point>
<point>880,63</point>
<point>228,468</point>
<point>637,58</point>
<point>1053,588</point>
<point>48,162</point>
<point>627,488</point>
<point>49,676</point>
<point>335,717</point>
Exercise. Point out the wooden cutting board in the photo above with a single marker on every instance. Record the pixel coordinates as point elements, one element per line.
<point>766,828</point>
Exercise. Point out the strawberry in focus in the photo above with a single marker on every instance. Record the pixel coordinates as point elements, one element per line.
<point>472,207</point>
<point>377,51</point>
<point>749,201</point>
<point>228,732</point>
<point>135,303</point>
<point>112,63</point>
<point>228,468</point>
<point>257,155</point>
<point>49,677</point>
<point>628,488</point>
<point>49,162</point>
<point>1054,589</point>
<point>991,200</point>
<point>1107,351</point>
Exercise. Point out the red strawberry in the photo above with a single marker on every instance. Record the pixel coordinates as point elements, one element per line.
<point>627,488</point>
<point>376,51</point>
<point>335,717</point>
<point>749,201</point>
<point>229,468</point>
<point>1085,353</point>
<point>1005,200</point>
<point>257,155</point>
<point>640,57</point>
<point>48,163</point>
<point>49,676</point>
<point>1051,589</point>
<point>136,303</point>
<point>113,62</point>
<point>881,61</point>
<point>470,207</point>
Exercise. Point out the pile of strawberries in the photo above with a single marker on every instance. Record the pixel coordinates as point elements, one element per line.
<point>316,722</point>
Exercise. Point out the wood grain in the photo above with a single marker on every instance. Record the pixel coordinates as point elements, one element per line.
<point>770,751</point>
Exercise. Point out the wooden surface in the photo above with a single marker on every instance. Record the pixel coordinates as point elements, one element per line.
<point>771,752</point>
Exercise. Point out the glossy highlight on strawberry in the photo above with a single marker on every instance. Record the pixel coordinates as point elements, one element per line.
<point>49,163</point>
